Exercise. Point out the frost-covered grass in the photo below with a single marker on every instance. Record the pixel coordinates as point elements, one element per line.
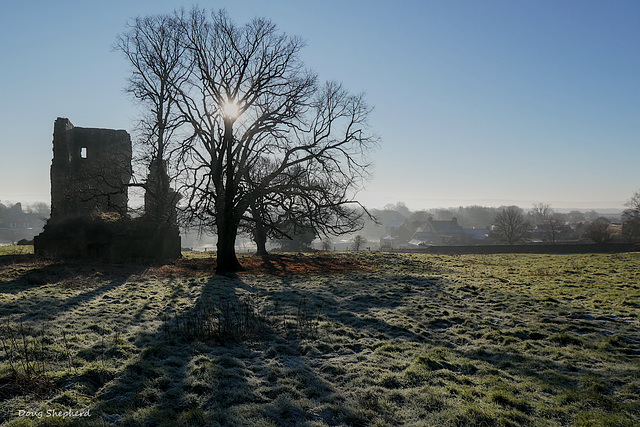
<point>420,340</point>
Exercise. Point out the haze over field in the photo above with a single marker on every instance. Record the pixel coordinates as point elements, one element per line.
<point>485,103</point>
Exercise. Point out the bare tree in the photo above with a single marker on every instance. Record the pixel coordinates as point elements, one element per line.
<point>154,48</point>
<point>551,221</point>
<point>359,242</point>
<point>298,238</point>
<point>326,244</point>
<point>510,225</point>
<point>576,216</point>
<point>244,98</point>
<point>307,201</point>
<point>598,230</point>
<point>42,210</point>
<point>631,218</point>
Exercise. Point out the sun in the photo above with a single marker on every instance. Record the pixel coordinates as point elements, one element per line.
<point>230,109</point>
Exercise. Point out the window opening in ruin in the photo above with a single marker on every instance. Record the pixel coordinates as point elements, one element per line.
<point>83,152</point>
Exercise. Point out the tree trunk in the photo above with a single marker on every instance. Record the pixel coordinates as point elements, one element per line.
<point>227,262</point>
<point>260,237</point>
<point>259,233</point>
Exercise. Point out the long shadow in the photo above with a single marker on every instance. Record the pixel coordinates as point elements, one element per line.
<point>179,378</point>
<point>71,275</point>
<point>16,258</point>
<point>33,277</point>
<point>571,385</point>
<point>356,311</point>
<point>56,306</point>
<point>265,374</point>
<point>351,308</point>
<point>274,356</point>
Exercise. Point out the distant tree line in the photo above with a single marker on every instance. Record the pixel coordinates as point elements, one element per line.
<point>631,218</point>
<point>513,224</point>
<point>473,216</point>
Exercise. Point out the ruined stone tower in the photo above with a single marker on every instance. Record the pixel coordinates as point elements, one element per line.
<point>90,170</point>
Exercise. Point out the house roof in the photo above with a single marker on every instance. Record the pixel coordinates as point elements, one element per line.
<point>477,233</point>
<point>396,223</point>
<point>441,227</point>
<point>446,226</point>
<point>422,235</point>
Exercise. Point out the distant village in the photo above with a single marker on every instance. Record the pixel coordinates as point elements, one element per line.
<point>397,228</point>
<point>414,234</point>
<point>402,229</point>
<point>405,234</point>
<point>19,224</point>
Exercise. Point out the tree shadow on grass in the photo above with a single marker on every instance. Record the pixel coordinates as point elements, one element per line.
<point>570,383</point>
<point>372,314</point>
<point>16,259</point>
<point>190,373</point>
<point>27,275</point>
<point>99,279</point>
<point>355,306</point>
<point>68,275</point>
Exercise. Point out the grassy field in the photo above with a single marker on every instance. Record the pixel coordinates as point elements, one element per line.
<point>402,339</point>
<point>16,250</point>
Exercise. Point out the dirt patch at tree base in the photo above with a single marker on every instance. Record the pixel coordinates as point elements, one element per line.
<point>273,264</point>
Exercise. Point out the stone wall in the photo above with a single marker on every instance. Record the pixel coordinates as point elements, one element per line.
<point>95,238</point>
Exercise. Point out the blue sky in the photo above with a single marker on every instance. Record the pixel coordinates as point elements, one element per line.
<point>477,102</point>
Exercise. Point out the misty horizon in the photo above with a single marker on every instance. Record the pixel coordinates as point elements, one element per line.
<point>414,205</point>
